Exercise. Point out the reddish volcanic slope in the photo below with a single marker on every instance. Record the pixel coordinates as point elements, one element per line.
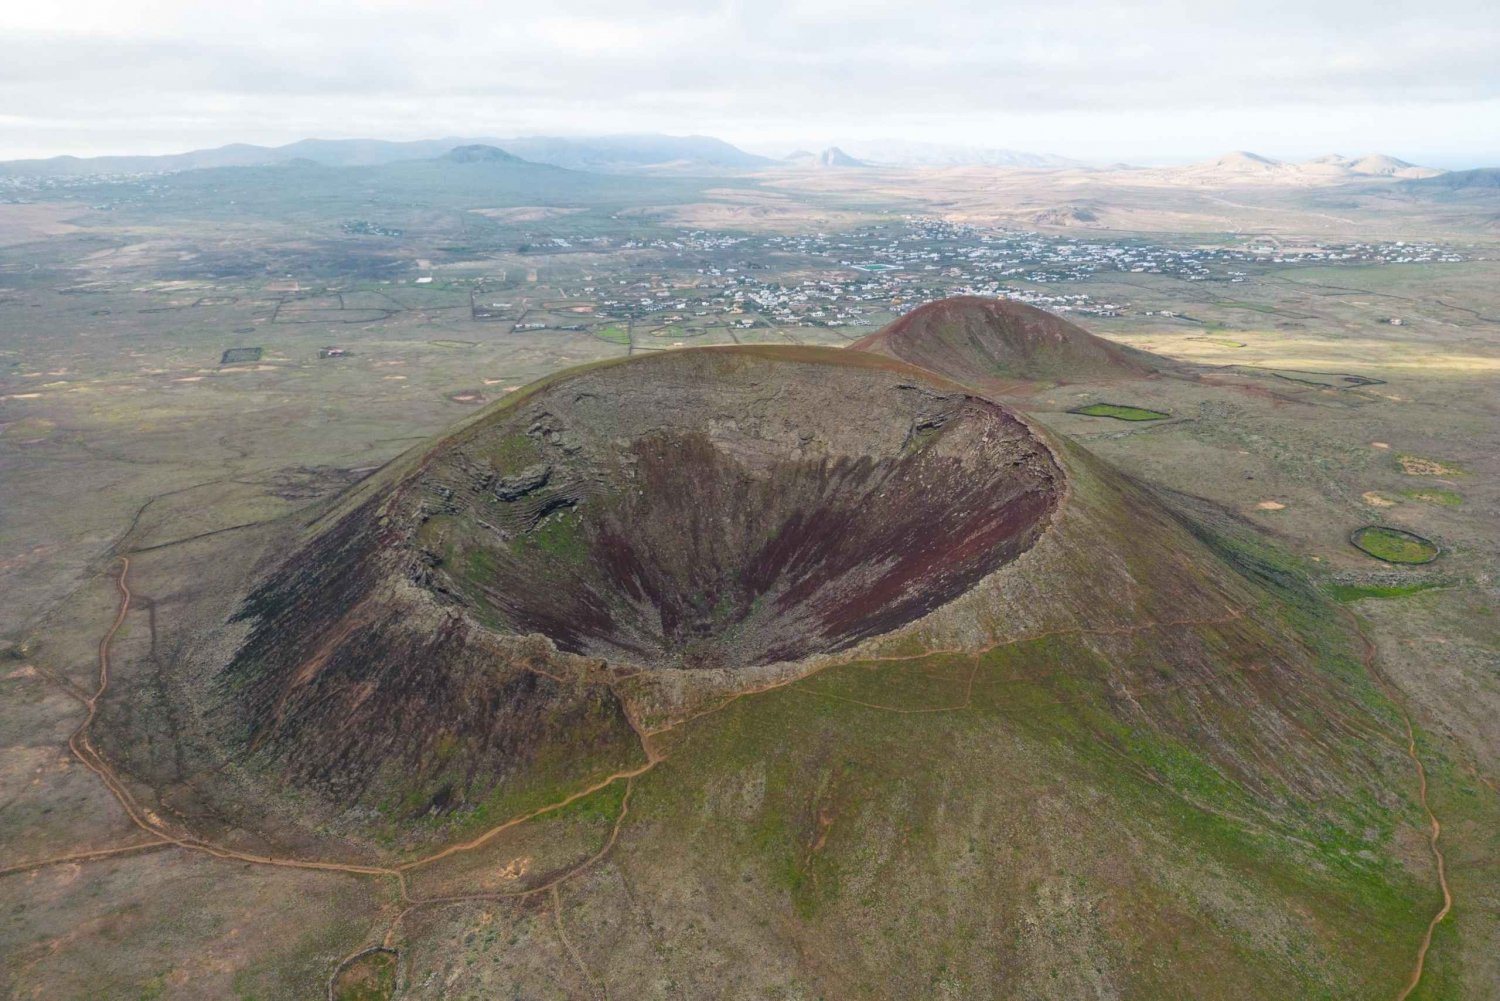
<point>996,343</point>
<point>721,508</point>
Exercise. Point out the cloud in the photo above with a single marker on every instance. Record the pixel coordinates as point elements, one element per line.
<point>187,73</point>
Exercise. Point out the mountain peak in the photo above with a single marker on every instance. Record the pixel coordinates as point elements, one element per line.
<point>835,157</point>
<point>1244,159</point>
<point>480,153</point>
<point>1379,163</point>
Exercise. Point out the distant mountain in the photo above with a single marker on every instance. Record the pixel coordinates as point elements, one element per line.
<point>1238,162</point>
<point>609,154</point>
<point>835,157</point>
<point>1332,168</point>
<point>1371,165</point>
<point>363,152</point>
<point>830,158</point>
<point>632,152</point>
<point>899,153</point>
<point>480,153</point>
<point>1380,165</point>
<point>325,152</point>
<point>467,177</point>
<point>1478,180</point>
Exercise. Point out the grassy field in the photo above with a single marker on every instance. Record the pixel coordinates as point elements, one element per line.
<point>1394,545</point>
<point>1120,412</point>
<point>1358,592</point>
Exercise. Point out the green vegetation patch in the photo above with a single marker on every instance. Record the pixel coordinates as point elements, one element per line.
<point>1436,495</point>
<point>560,536</point>
<point>602,807</point>
<point>480,564</point>
<point>513,453</point>
<point>239,356</point>
<point>613,334</point>
<point>1120,412</point>
<point>799,788</point>
<point>27,429</point>
<point>1416,465</point>
<point>1393,545</point>
<point>1355,592</point>
<point>368,977</point>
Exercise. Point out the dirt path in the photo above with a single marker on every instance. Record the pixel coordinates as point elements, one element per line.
<point>82,748</point>
<point>80,744</point>
<point>1435,827</point>
<point>1435,832</point>
<point>85,856</point>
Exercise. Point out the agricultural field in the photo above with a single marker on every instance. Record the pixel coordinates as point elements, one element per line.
<point>1120,412</point>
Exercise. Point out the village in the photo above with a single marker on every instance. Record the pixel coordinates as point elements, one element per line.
<point>865,276</point>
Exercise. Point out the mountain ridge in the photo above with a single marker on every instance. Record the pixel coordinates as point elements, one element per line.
<point>623,152</point>
<point>1245,164</point>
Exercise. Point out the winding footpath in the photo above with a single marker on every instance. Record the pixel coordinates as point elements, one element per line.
<point>82,748</point>
<point>1435,827</point>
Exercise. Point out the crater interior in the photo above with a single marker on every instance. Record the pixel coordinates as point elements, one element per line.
<point>723,509</point>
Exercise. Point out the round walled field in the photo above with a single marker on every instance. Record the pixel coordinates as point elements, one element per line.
<point>1394,545</point>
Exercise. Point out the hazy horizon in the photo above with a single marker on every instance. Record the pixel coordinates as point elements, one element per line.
<point>1083,80</point>
<point>776,149</point>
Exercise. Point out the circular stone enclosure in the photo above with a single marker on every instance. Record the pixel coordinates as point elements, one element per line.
<point>1393,545</point>
<point>725,507</point>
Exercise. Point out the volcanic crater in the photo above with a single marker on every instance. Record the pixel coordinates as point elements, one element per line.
<point>719,509</point>
<point>724,509</point>
<point>504,616</point>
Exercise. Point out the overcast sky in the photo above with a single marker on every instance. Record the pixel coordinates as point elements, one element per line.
<point>1093,79</point>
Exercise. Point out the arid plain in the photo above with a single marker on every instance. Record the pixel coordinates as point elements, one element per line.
<point>1194,738</point>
